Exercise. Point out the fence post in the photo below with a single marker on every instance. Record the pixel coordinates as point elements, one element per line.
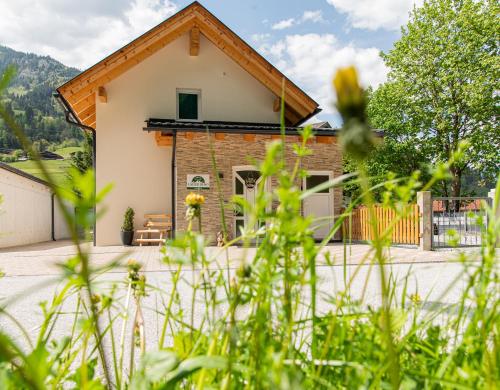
<point>491,195</point>
<point>424,201</point>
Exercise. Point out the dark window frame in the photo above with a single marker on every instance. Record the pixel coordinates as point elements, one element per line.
<point>186,91</point>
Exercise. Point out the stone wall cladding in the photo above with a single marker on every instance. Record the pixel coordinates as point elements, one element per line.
<point>193,157</point>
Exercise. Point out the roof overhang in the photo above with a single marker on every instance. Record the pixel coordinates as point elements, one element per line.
<point>80,92</point>
<point>170,126</point>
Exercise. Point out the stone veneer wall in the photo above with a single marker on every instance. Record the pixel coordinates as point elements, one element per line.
<point>193,157</point>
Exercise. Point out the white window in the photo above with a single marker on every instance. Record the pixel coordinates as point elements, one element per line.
<point>189,105</point>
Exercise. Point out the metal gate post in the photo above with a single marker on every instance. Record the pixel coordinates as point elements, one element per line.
<point>491,195</point>
<point>424,201</point>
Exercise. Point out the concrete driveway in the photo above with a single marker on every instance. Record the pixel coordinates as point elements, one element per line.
<point>32,276</point>
<point>45,258</point>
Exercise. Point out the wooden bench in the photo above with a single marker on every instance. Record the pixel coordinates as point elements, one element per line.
<point>159,225</point>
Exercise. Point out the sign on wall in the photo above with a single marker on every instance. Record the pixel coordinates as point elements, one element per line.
<point>198,182</point>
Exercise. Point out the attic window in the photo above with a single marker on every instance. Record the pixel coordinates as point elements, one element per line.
<point>188,105</point>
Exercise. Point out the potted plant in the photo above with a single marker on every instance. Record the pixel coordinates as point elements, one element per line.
<point>127,233</point>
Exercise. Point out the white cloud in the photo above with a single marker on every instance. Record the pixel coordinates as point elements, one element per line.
<point>311,60</point>
<point>260,38</point>
<point>78,36</point>
<point>282,24</point>
<point>375,14</point>
<point>307,16</point>
<point>312,16</point>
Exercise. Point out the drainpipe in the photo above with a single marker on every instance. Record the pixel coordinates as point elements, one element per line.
<point>72,119</point>
<point>53,230</point>
<point>174,179</point>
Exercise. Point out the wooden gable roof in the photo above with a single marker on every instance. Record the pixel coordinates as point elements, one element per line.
<point>80,92</point>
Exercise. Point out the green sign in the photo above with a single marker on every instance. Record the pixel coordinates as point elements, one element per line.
<point>198,182</point>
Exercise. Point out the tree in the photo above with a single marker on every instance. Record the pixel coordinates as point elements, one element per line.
<point>443,86</point>
<point>389,157</point>
<point>82,159</point>
<point>398,154</point>
<point>40,146</point>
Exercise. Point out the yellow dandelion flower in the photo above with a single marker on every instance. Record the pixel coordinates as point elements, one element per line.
<point>195,200</point>
<point>349,92</point>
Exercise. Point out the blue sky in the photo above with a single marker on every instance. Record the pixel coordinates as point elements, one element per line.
<point>258,17</point>
<point>307,40</point>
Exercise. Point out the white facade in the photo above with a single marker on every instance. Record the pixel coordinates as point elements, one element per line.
<point>129,158</point>
<point>26,212</point>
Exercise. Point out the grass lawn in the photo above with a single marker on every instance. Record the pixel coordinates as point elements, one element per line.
<point>57,168</point>
<point>66,152</point>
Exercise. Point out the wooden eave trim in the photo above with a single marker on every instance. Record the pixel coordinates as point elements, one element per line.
<point>125,52</point>
<point>254,56</point>
<point>163,140</point>
<point>194,41</point>
<point>89,120</point>
<point>291,114</point>
<point>123,66</point>
<point>86,112</point>
<point>80,92</point>
<point>84,103</point>
<point>102,94</point>
<point>249,137</point>
<point>262,72</point>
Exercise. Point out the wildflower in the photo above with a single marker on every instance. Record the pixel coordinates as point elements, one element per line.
<point>107,300</point>
<point>415,298</point>
<point>139,287</point>
<point>133,265</point>
<point>95,300</point>
<point>357,139</point>
<point>194,200</point>
<point>133,271</point>
<point>244,271</point>
<point>350,96</point>
<point>193,203</point>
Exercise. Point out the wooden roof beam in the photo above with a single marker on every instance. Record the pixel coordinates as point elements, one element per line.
<point>102,94</point>
<point>291,115</point>
<point>92,86</point>
<point>84,103</point>
<point>90,120</point>
<point>82,91</point>
<point>86,111</point>
<point>219,39</point>
<point>122,55</point>
<point>277,104</point>
<point>194,41</point>
<point>225,38</point>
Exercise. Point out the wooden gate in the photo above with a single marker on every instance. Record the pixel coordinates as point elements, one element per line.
<point>406,230</point>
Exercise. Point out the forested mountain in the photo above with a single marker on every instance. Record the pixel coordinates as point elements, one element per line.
<point>29,98</point>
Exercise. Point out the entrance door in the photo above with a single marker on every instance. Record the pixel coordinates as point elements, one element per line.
<point>320,204</point>
<point>246,181</point>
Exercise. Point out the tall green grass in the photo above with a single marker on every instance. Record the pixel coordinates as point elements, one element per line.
<point>254,323</point>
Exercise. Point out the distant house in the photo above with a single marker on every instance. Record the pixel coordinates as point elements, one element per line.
<point>151,104</point>
<point>46,155</point>
<point>442,206</point>
<point>321,125</point>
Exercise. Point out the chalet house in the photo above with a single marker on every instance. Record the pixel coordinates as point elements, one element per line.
<point>151,104</point>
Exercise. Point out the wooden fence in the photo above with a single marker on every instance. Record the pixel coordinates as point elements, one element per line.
<point>405,231</point>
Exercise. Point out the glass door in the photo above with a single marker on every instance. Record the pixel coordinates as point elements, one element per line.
<point>246,181</point>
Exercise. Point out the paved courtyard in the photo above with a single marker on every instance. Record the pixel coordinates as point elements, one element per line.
<point>45,258</point>
<point>32,275</point>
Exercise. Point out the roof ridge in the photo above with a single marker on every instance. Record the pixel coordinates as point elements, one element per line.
<point>80,91</point>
